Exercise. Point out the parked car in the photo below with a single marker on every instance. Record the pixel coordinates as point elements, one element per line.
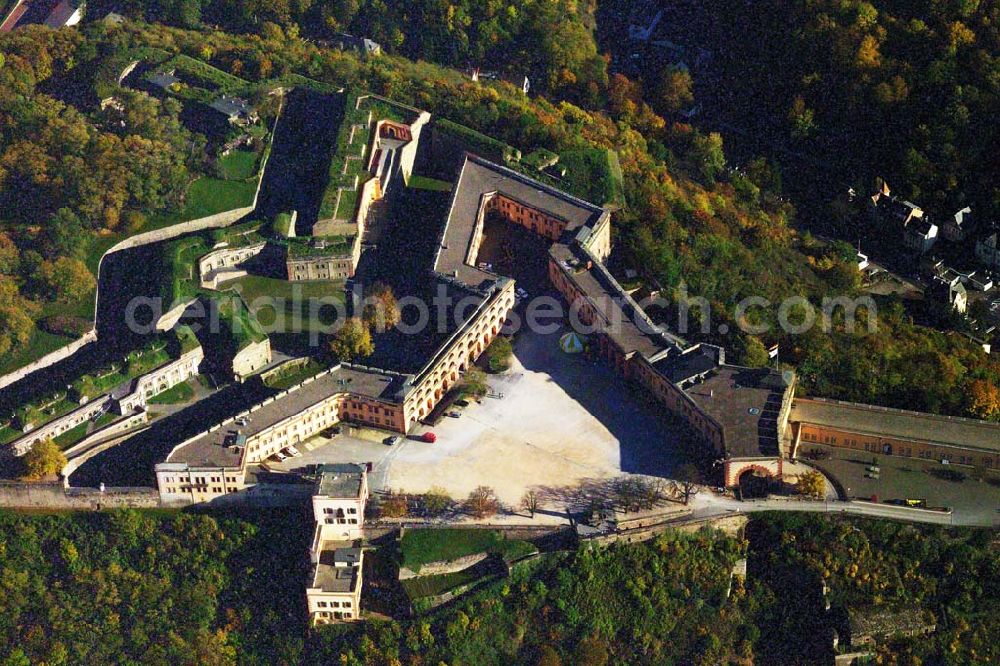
<point>454,414</point>
<point>291,450</point>
<point>429,437</point>
<point>461,403</point>
<point>392,441</point>
<point>280,456</point>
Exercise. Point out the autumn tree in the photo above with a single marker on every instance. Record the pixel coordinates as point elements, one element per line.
<point>499,353</point>
<point>66,279</point>
<point>983,400</point>
<point>591,651</point>
<point>674,89</point>
<point>688,477</point>
<point>9,255</point>
<point>482,502</point>
<point>42,460</point>
<point>530,501</point>
<point>65,236</point>
<point>549,657</point>
<point>706,157</point>
<point>474,382</point>
<point>352,341</point>
<point>380,311</point>
<point>393,505</point>
<point>16,329</point>
<point>755,353</point>
<point>802,119</point>
<point>811,484</point>
<point>437,501</point>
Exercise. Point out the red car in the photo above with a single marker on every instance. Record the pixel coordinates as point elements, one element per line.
<point>430,437</point>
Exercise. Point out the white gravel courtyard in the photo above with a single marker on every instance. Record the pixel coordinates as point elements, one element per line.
<point>562,420</point>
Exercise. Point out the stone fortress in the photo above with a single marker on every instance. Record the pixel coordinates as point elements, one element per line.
<point>740,412</point>
<point>126,402</point>
<point>747,416</point>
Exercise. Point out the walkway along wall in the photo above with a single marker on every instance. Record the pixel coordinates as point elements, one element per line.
<point>102,440</point>
<point>49,359</point>
<point>15,495</point>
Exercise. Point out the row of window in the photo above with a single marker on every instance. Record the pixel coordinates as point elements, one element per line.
<point>895,449</point>
<point>341,521</point>
<point>322,616</point>
<point>369,408</point>
<point>340,512</point>
<point>485,328</point>
<point>199,479</point>
<point>334,604</point>
<point>201,489</point>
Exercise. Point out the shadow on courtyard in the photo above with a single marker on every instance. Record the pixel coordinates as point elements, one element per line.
<point>650,443</point>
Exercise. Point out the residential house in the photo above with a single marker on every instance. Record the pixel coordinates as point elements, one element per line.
<point>920,236</point>
<point>988,247</point>
<point>957,228</point>
<point>889,208</point>
<point>360,45</point>
<point>951,291</point>
<point>65,13</point>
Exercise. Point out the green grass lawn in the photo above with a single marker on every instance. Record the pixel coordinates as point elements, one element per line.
<point>238,165</point>
<point>292,375</point>
<point>425,183</point>
<point>348,204</point>
<point>45,409</point>
<point>418,547</point>
<point>266,297</point>
<point>427,586</point>
<point>40,344</point>
<point>172,396</point>
<point>8,434</point>
<point>74,435</point>
<point>595,175</point>
<point>208,196</point>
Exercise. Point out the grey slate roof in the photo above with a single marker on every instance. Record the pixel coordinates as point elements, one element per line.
<point>746,403</point>
<point>883,421</point>
<point>480,177</point>
<point>339,481</point>
<point>214,449</point>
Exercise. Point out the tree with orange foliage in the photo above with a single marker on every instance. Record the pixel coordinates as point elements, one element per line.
<point>983,400</point>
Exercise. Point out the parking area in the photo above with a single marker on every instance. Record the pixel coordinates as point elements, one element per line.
<point>899,478</point>
<point>562,420</point>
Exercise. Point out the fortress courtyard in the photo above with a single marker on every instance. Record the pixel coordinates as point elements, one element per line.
<point>563,420</point>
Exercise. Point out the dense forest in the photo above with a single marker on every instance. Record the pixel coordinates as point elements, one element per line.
<point>152,588</point>
<point>695,227</point>
<point>69,174</point>
<point>549,41</point>
<point>225,588</point>
<point>904,90</point>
